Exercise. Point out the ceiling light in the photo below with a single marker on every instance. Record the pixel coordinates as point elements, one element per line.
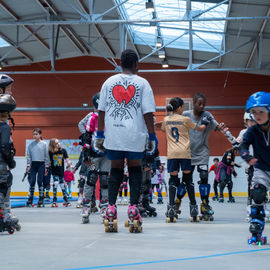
<point>161,54</point>
<point>159,42</point>
<point>165,64</point>
<point>149,5</point>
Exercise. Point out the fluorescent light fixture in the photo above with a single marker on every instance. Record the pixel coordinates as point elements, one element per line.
<point>84,105</point>
<point>165,64</point>
<point>161,54</point>
<point>149,5</point>
<point>159,42</point>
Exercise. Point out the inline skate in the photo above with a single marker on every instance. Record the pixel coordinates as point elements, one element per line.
<point>231,200</point>
<point>206,212</point>
<point>170,214</point>
<point>66,202</point>
<point>29,202</point>
<point>85,212</point>
<point>194,213</point>
<point>221,199</point>
<point>110,220</point>
<point>54,203</point>
<point>41,202</point>
<point>134,221</point>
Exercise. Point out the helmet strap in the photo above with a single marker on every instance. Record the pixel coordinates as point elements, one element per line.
<point>12,121</point>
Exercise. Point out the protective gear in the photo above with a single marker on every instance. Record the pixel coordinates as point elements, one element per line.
<point>259,194</point>
<point>103,179</point>
<point>5,81</point>
<point>116,175</point>
<point>7,103</point>
<point>152,144</point>
<point>181,191</point>
<point>98,145</point>
<point>206,120</point>
<point>135,181</point>
<point>258,99</point>
<point>95,100</point>
<point>204,190</point>
<point>203,176</point>
<point>248,116</point>
<point>92,178</point>
<point>174,182</point>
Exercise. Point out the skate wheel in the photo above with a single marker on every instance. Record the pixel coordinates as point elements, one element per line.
<point>135,223</point>
<point>126,223</point>
<point>85,220</point>
<point>200,217</point>
<point>11,230</point>
<point>205,218</point>
<point>211,218</point>
<point>115,228</point>
<point>18,227</point>
<point>168,220</point>
<point>174,220</point>
<point>106,222</point>
<point>130,229</point>
<point>154,214</point>
<point>106,229</point>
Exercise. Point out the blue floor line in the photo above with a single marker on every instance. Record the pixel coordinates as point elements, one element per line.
<point>173,260</point>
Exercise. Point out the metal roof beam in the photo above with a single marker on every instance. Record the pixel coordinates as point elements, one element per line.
<point>259,35</point>
<point>12,43</point>
<point>16,18</point>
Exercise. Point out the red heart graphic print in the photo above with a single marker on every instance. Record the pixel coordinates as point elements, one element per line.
<point>120,93</point>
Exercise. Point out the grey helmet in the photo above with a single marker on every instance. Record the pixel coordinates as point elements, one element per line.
<point>5,81</point>
<point>7,103</point>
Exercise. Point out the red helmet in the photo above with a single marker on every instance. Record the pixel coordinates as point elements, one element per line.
<point>5,81</point>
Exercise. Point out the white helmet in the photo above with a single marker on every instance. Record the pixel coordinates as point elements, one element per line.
<point>248,116</point>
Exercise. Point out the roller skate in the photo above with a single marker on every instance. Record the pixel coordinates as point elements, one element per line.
<point>150,211</point>
<point>215,198</point>
<point>160,201</point>
<point>54,204</point>
<point>177,207</point>
<point>231,200</point>
<point>66,203</point>
<point>85,212</point>
<point>79,202</point>
<point>125,201</point>
<point>119,201</point>
<point>256,228</point>
<point>194,213</point>
<point>134,221</point>
<point>110,221</point>
<point>206,212</point>
<point>47,197</point>
<point>170,214</point>
<point>41,202</point>
<point>103,207</point>
<point>29,202</point>
<point>94,208</point>
<point>9,223</point>
<point>221,199</point>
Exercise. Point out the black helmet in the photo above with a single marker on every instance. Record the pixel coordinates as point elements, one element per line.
<point>95,100</point>
<point>7,103</point>
<point>5,81</point>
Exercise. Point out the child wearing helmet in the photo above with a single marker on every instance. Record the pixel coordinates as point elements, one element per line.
<point>258,136</point>
<point>99,165</point>
<point>7,162</point>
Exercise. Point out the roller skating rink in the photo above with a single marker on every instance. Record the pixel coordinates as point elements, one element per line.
<point>55,238</point>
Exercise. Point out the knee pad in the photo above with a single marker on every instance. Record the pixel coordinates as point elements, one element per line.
<point>259,194</point>
<point>92,178</point>
<point>181,190</point>
<point>174,181</point>
<point>3,189</point>
<point>103,179</point>
<point>187,178</point>
<point>204,189</point>
<point>203,176</point>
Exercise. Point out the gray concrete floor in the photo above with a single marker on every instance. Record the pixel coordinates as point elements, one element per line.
<point>55,238</point>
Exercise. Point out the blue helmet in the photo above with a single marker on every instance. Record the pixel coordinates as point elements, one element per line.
<point>258,99</point>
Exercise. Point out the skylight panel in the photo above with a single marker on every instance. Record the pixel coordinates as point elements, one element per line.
<point>207,35</point>
<point>3,43</point>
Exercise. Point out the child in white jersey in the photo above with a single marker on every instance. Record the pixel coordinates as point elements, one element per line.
<point>176,127</point>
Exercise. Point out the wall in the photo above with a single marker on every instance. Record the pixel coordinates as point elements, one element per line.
<point>71,90</point>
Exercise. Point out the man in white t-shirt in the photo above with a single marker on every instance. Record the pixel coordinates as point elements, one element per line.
<point>126,108</point>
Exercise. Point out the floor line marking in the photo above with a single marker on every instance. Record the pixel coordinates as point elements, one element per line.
<point>172,260</point>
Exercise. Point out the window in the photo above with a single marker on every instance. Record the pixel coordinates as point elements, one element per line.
<point>207,35</point>
<point>3,43</point>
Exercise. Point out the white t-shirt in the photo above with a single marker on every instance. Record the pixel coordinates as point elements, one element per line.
<point>125,99</point>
